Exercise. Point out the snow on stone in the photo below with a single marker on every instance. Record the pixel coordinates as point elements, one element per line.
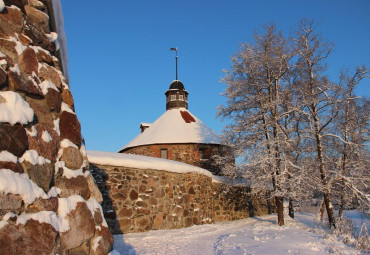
<point>83,151</point>
<point>52,36</point>
<point>7,156</point>
<point>172,128</point>
<point>2,6</point>
<point>19,47</point>
<point>2,222</point>
<point>95,242</point>
<point>66,108</point>
<point>49,217</point>
<point>34,158</point>
<point>56,126</point>
<point>45,85</point>
<point>20,184</point>
<point>15,69</point>
<point>54,192</point>
<point>143,162</point>
<point>33,132</point>
<point>69,173</point>
<point>15,109</point>
<point>93,205</point>
<point>46,136</point>
<point>66,205</point>
<point>65,143</point>
<point>2,61</point>
<point>15,7</point>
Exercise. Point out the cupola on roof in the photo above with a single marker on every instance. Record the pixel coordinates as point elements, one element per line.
<point>176,96</point>
<point>176,84</point>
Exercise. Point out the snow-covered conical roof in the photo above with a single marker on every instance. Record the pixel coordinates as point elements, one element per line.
<point>176,125</point>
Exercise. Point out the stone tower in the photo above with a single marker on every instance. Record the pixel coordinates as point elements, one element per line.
<point>49,202</point>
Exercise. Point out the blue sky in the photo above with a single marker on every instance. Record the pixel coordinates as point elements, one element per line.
<point>120,64</point>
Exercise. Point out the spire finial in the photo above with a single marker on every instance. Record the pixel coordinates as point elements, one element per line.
<point>175,49</point>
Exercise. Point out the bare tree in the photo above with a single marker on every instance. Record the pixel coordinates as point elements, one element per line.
<point>319,97</point>
<point>256,88</point>
<point>351,136</point>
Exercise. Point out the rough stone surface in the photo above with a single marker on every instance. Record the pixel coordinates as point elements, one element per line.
<point>137,200</point>
<point>45,149</point>
<point>40,204</point>
<point>67,98</point>
<point>72,157</point>
<point>3,76</point>
<point>70,128</point>
<point>28,61</point>
<point>53,100</point>
<point>21,82</point>
<point>50,73</point>
<point>187,153</point>
<point>82,227</point>
<point>37,18</point>
<point>41,111</point>
<point>15,167</point>
<point>44,56</point>
<point>105,244</point>
<point>39,38</point>
<point>11,21</point>
<point>31,238</point>
<point>13,139</point>
<point>94,189</point>
<point>73,186</point>
<point>10,203</point>
<point>42,175</point>
<point>29,57</point>
<point>8,48</point>
<point>25,40</point>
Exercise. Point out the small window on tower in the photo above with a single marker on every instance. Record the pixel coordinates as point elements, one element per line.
<point>181,97</point>
<point>173,97</point>
<point>164,153</point>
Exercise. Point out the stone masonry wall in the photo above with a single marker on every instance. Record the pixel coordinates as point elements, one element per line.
<point>187,153</point>
<point>137,200</point>
<point>48,198</point>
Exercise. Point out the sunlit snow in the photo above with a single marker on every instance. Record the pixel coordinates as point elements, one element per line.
<point>258,235</point>
<point>14,109</point>
<point>172,128</point>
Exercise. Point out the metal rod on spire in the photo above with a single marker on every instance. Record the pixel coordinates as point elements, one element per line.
<point>175,49</point>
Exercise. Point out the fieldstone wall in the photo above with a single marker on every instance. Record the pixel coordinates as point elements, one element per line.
<point>48,198</point>
<point>136,200</point>
<point>187,153</point>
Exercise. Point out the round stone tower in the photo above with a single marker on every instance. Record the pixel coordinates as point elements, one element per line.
<point>176,96</point>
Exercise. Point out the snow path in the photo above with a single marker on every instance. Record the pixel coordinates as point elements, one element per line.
<point>258,235</point>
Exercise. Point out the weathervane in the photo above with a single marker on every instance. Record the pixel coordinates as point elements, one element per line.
<point>175,49</point>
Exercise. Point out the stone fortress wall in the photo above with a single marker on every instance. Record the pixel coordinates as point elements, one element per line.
<point>186,152</point>
<point>48,198</point>
<point>137,200</point>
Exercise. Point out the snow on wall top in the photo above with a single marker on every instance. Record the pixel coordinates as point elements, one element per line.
<point>143,162</point>
<point>176,126</point>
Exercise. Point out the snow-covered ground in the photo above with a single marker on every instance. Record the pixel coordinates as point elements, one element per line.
<point>258,235</point>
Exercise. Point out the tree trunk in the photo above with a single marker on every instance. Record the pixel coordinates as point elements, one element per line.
<point>328,206</point>
<point>321,211</point>
<point>291,208</point>
<point>329,210</point>
<point>280,210</point>
<point>341,205</point>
